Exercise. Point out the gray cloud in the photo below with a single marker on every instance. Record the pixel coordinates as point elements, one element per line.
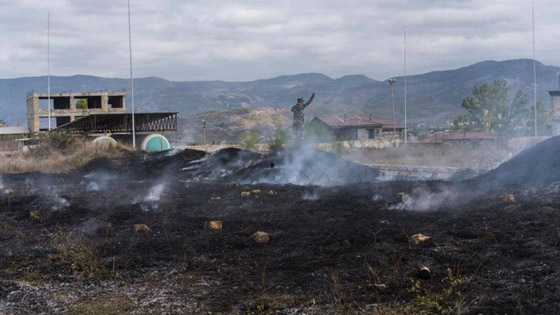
<point>245,40</point>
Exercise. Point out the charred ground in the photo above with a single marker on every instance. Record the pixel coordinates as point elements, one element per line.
<point>67,242</point>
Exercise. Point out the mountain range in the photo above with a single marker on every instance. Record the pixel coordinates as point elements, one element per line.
<point>431,97</point>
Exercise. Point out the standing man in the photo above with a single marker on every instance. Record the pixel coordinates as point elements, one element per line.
<point>299,119</point>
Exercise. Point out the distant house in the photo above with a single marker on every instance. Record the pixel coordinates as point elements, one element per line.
<point>13,133</point>
<point>8,135</point>
<point>354,127</point>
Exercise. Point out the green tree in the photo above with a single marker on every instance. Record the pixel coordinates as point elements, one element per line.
<point>490,109</point>
<point>249,140</point>
<point>543,119</point>
<point>82,103</point>
<point>462,122</point>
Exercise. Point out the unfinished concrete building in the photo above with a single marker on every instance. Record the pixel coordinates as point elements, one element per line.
<point>66,107</point>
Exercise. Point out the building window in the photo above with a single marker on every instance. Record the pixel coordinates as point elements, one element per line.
<point>371,133</point>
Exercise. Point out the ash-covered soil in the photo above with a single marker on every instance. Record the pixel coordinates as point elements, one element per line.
<point>69,244</point>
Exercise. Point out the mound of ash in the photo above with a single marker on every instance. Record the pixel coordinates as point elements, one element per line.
<point>307,166</point>
<point>536,167</point>
<point>135,165</point>
<point>298,166</point>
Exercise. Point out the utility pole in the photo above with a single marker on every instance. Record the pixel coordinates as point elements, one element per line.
<point>49,66</point>
<point>131,80</point>
<point>391,82</point>
<point>534,71</point>
<point>203,131</point>
<point>405,122</point>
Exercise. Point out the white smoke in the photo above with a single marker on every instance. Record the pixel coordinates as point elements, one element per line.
<point>154,194</point>
<point>310,195</point>
<point>60,203</point>
<point>303,165</point>
<point>422,199</point>
<point>92,186</point>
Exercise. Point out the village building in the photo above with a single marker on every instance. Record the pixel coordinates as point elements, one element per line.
<point>355,128</point>
<point>67,107</point>
<point>555,110</point>
<point>11,138</point>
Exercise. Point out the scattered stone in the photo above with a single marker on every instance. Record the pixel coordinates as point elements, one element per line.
<point>402,195</point>
<point>213,225</point>
<point>380,286</point>
<point>509,198</point>
<point>196,179</point>
<point>34,215</point>
<point>418,238</point>
<point>424,273</point>
<point>141,228</point>
<point>108,229</point>
<point>260,237</point>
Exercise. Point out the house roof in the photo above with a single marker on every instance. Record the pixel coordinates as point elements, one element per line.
<point>446,136</point>
<point>337,121</point>
<point>13,130</point>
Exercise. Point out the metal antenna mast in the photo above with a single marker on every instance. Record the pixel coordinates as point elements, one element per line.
<point>131,79</point>
<point>405,122</point>
<point>49,66</point>
<point>391,82</point>
<point>534,71</point>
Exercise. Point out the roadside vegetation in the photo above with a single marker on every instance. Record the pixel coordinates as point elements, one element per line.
<point>490,109</point>
<point>58,152</point>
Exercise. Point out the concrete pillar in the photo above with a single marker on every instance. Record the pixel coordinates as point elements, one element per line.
<point>32,116</point>
<point>555,114</point>
<point>105,102</point>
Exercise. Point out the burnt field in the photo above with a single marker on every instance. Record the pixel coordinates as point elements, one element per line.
<point>134,235</point>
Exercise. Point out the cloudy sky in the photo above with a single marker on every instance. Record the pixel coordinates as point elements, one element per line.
<point>246,40</point>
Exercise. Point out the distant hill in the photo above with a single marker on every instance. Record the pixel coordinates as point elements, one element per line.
<point>432,97</point>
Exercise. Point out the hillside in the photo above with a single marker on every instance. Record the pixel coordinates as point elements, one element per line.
<point>431,96</point>
<point>227,126</point>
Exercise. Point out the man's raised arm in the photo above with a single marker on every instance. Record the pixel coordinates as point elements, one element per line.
<point>311,99</point>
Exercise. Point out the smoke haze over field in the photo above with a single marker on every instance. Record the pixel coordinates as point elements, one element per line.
<point>208,40</point>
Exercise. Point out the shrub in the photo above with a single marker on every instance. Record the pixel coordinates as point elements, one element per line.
<point>339,147</point>
<point>59,153</point>
<point>56,141</point>
<point>76,256</point>
<point>249,140</point>
<point>280,138</point>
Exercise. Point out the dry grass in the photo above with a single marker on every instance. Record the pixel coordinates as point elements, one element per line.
<point>105,304</point>
<point>47,159</point>
<point>76,256</point>
<point>458,156</point>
